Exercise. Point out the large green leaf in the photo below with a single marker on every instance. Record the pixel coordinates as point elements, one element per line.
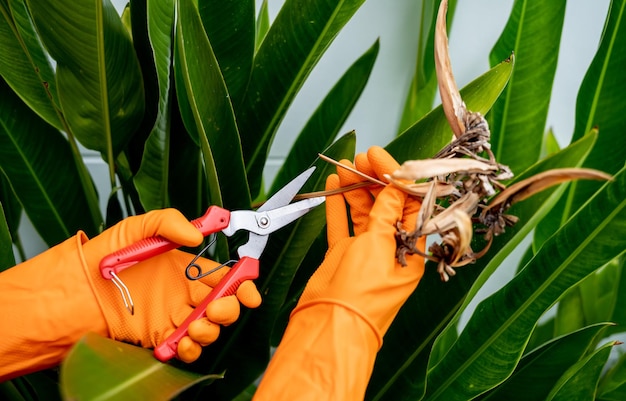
<point>601,103</point>
<point>295,42</point>
<point>324,125</point>
<point>262,24</point>
<point>491,344</point>
<point>518,118</point>
<point>11,206</point>
<point>6,249</point>
<point>243,349</point>
<point>39,164</point>
<point>423,87</point>
<point>612,386</point>
<point>539,370</point>
<point>230,26</point>
<point>592,301</point>
<point>580,381</point>
<point>24,64</point>
<point>619,314</point>
<point>98,368</point>
<point>431,133</point>
<point>151,180</point>
<point>210,109</point>
<point>99,82</point>
<point>402,362</point>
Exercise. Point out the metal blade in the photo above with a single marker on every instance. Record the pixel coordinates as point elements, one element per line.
<point>286,193</point>
<point>282,216</point>
<point>272,220</point>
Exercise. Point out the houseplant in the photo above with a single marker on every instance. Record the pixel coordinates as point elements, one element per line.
<point>175,132</point>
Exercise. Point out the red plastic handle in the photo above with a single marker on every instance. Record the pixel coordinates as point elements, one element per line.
<point>215,219</point>
<point>246,268</point>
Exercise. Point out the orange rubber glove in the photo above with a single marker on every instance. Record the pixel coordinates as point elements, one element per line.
<point>50,301</point>
<point>335,331</point>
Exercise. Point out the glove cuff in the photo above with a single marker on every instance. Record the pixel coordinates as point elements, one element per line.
<point>347,306</point>
<point>49,308</point>
<point>105,292</point>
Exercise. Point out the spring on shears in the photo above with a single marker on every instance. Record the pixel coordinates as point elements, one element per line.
<point>198,268</point>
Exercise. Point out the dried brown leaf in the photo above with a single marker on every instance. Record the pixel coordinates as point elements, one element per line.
<point>453,105</point>
<point>448,219</point>
<point>414,170</point>
<point>420,189</point>
<point>538,182</point>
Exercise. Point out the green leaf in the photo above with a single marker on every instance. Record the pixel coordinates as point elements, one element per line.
<point>601,103</point>
<point>619,314</point>
<point>151,181</point>
<point>24,63</point>
<point>580,381</point>
<point>423,87</point>
<point>550,144</point>
<point>402,362</point>
<point>295,42</point>
<point>543,333</point>
<point>431,133</point>
<point>539,370</point>
<point>612,386</point>
<point>99,82</point>
<point>38,386</point>
<point>6,249</point>
<point>325,123</point>
<point>592,301</point>
<point>491,344</point>
<point>518,118</point>
<point>11,205</point>
<point>243,349</point>
<point>262,25</point>
<point>39,164</point>
<point>230,26</point>
<point>210,109</point>
<point>99,368</point>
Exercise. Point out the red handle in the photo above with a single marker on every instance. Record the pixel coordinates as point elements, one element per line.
<point>215,219</point>
<point>245,269</point>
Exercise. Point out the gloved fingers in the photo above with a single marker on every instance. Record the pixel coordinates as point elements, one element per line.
<point>336,212</point>
<point>360,200</point>
<point>203,331</point>
<point>188,350</point>
<point>224,311</point>
<point>412,207</point>
<point>324,274</point>
<point>168,223</point>
<point>249,295</point>
<point>387,211</point>
<point>381,162</point>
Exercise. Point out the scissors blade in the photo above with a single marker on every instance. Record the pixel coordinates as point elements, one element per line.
<point>267,222</point>
<point>286,193</point>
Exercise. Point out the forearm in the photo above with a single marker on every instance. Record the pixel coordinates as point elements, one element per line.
<point>44,312</point>
<point>327,353</point>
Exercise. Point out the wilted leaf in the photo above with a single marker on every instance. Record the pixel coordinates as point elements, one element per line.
<point>453,105</point>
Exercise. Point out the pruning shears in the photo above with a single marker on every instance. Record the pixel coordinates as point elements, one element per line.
<point>274,214</point>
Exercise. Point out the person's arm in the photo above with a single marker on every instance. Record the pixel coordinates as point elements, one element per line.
<point>46,306</point>
<point>50,301</point>
<point>330,344</point>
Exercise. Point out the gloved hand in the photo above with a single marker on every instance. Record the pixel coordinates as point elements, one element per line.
<point>162,295</point>
<point>361,272</point>
<point>50,301</point>
<point>330,343</point>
